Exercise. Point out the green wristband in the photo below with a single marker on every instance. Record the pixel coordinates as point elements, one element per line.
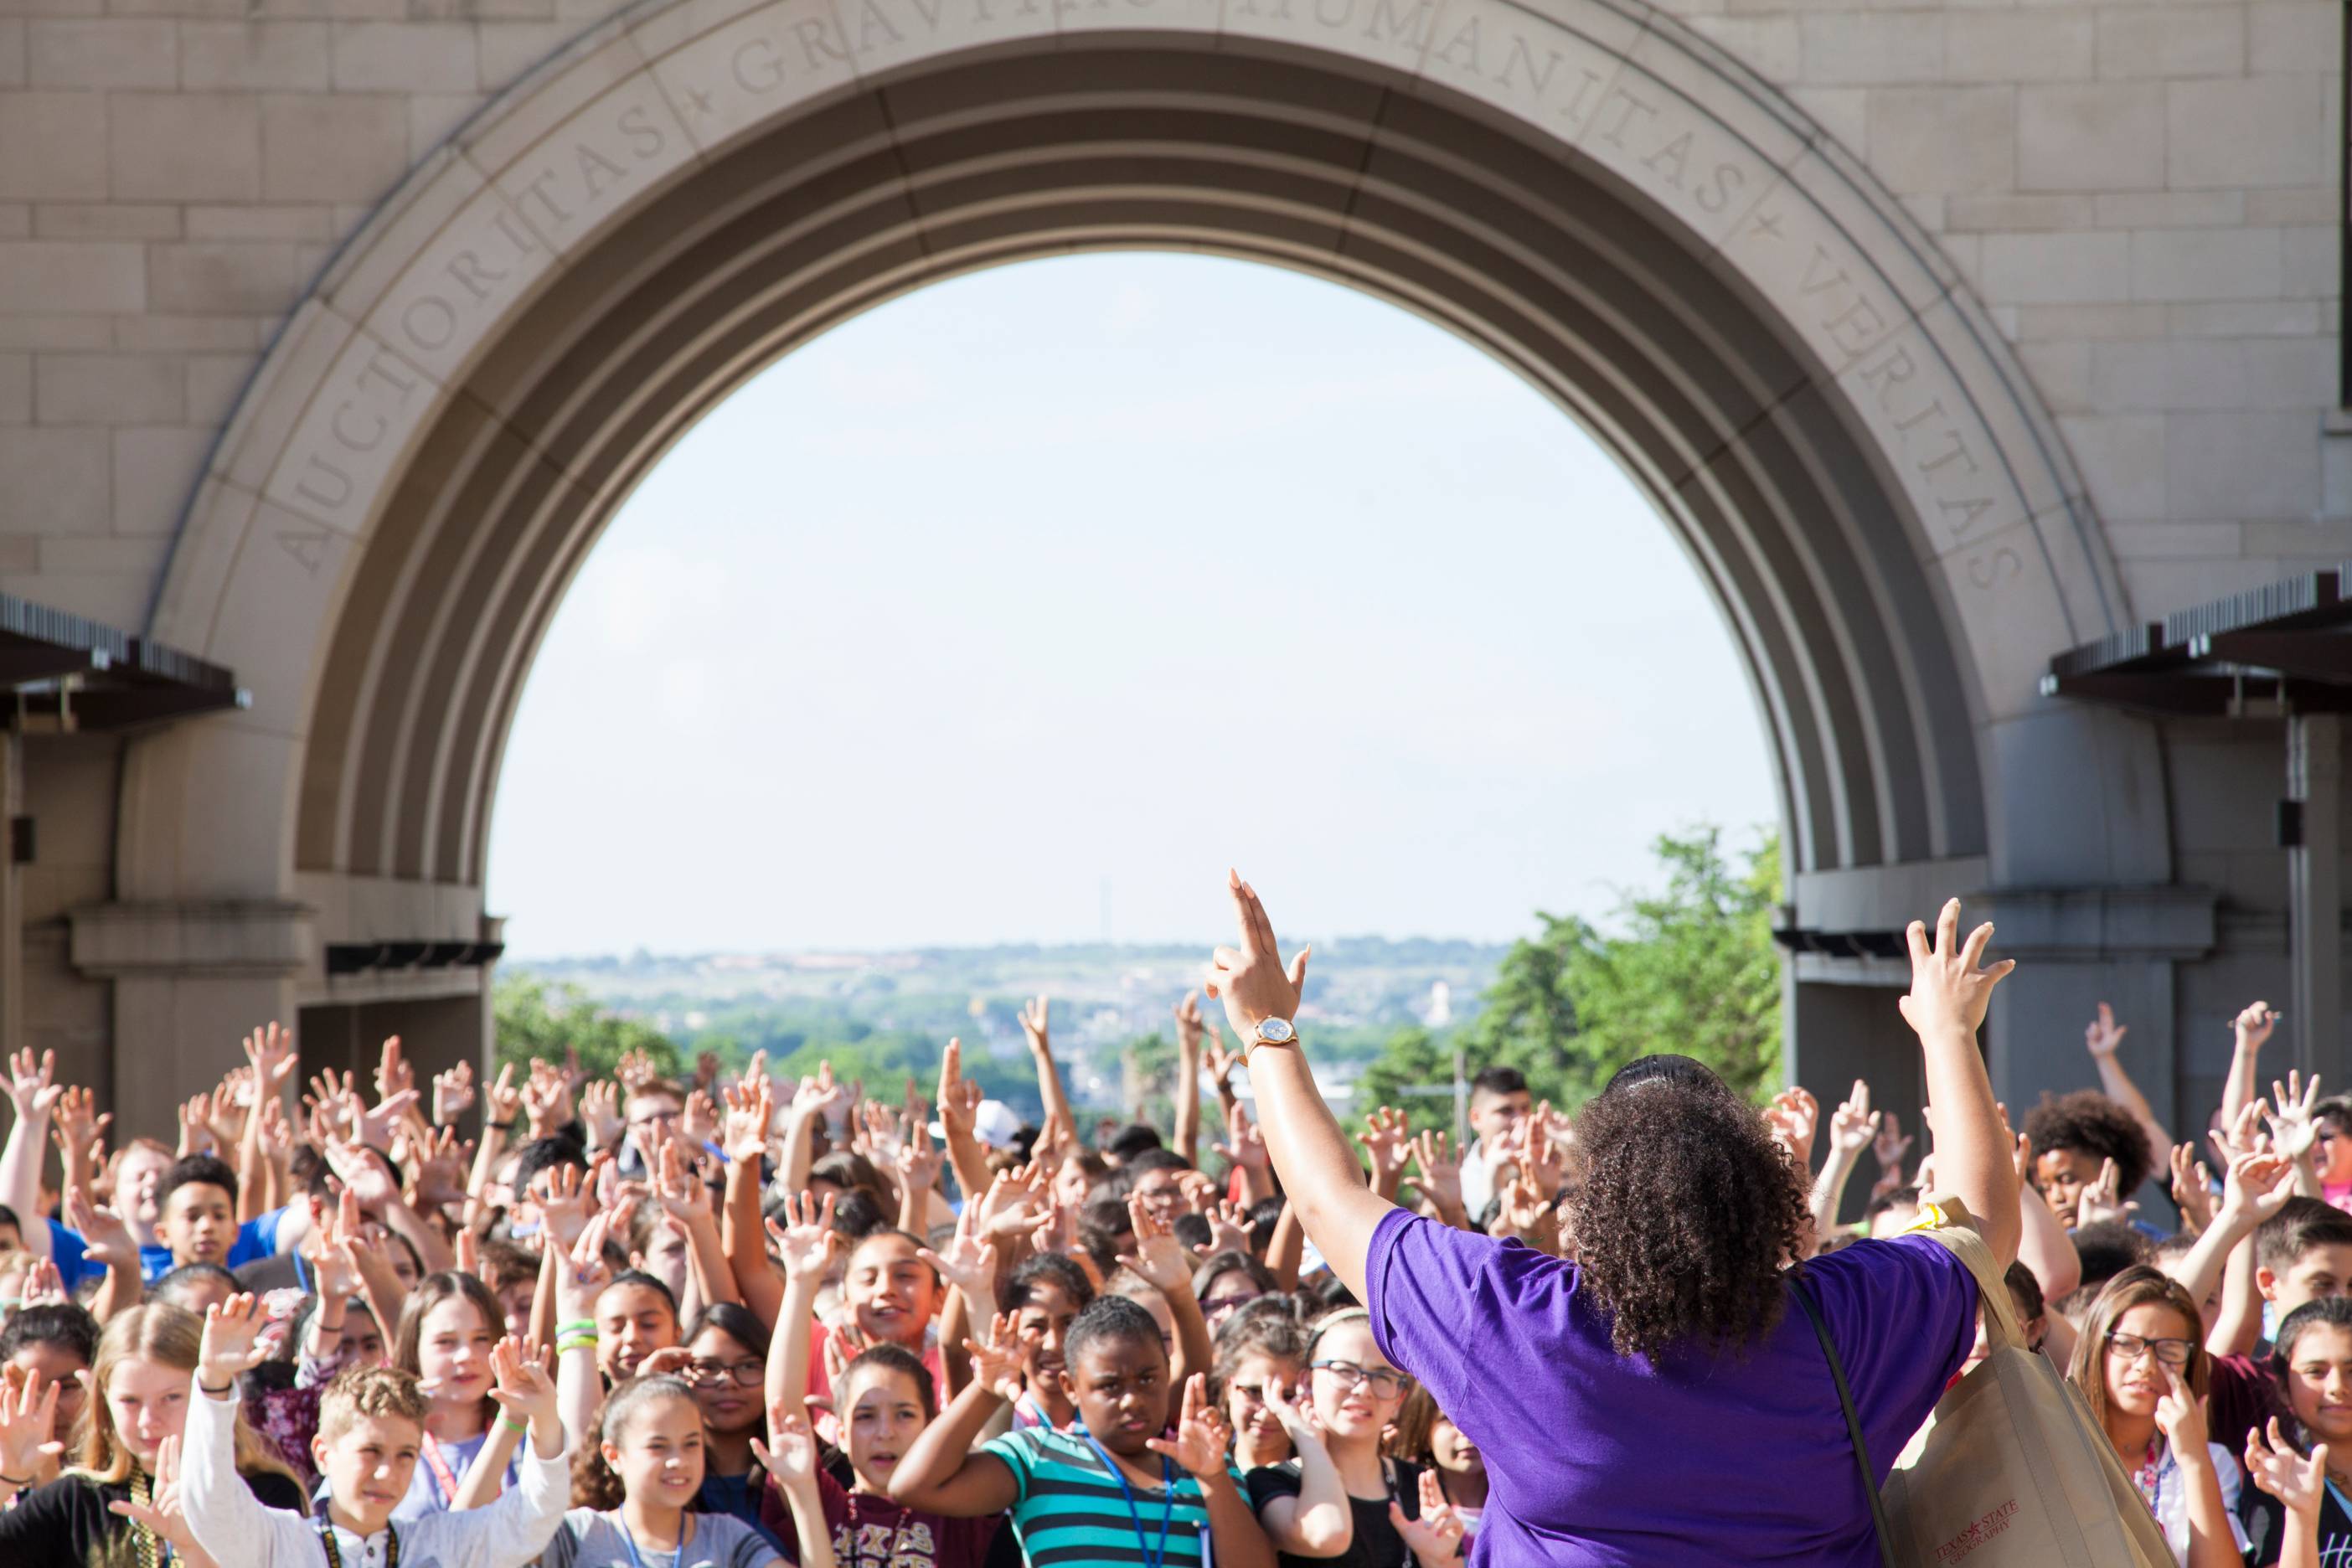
<point>578,1326</point>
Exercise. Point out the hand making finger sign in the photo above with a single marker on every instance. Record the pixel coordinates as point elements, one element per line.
<point>1952,985</point>
<point>1199,1443</point>
<point>1251,979</point>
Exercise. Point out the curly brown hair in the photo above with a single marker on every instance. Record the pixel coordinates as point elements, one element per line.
<point>2090,1121</point>
<point>1689,1208</point>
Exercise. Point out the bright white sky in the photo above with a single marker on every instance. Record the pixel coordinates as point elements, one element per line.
<point>1102,573</point>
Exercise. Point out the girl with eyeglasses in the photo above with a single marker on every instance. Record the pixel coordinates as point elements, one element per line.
<point>1340,1500</point>
<point>2141,1366</point>
<point>729,1363</point>
<point>1261,1363</point>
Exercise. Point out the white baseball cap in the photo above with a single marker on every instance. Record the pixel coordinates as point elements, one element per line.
<point>993,1122</point>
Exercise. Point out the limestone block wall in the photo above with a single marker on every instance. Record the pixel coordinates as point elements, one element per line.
<point>2145,196</point>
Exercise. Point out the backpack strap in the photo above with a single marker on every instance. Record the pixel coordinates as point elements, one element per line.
<point>1852,1418</point>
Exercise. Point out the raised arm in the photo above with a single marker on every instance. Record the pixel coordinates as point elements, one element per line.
<point>2251,1027</point>
<point>750,1113</point>
<point>35,1094</point>
<point>1060,1122</point>
<point>2101,1037</point>
<point>941,1474</point>
<point>1951,986</point>
<point>806,1241</point>
<point>1188,1079</point>
<point>2258,1185</point>
<point>1311,1155</point>
<point>1852,1127</point>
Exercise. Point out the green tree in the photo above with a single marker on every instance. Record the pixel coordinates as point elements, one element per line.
<point>1694,970</point>
<point>1691,969</point>
<point>534,1020</point>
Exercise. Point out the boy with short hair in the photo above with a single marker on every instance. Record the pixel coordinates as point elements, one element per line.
<point>1499,1100</point>
<point>2302,1253</point>
<point>371,1431</point>
<point>195,1220</point>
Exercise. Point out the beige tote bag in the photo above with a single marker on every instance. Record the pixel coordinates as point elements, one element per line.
<point>2012,1472</point>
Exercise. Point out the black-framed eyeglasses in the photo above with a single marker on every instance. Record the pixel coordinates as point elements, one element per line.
<point>1386,1382</point>
<point>2171,1352</point>
<point>745,1374</point>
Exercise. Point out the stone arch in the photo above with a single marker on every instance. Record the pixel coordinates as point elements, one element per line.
<point>1610,203</point>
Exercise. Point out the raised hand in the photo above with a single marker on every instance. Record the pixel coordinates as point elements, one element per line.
<point>41,1285</point>
<point>996,1365</point>
<point>438,1174</point>
<point>698,1122</point>
<point>1952,985</point>
<point>1388,1141</point>
<point>1793,1117</point>
<point>1036,1024</point>
<point>2253,1025</point>
<point>1435,1169</point>
<point>543,1094</point>
<point>1217,1061</point>
<point>1435,1537</point>
<point>1188,1021</point>
<point>2292,1127</point>
<point>1229,1230</point>
<point>919,1161</point>
<point>817,1095</point>
<point>394,1072</point>
<point>270,1051</point>
<point>1854,1126</point>
<point>789,1452</point>
<point>106,1239</point>
<point>196,1124</point>
<point>2103,1034</point>
<point>521,1385</point>
<point>677,1186</point>
<point>1201,1432</point>
<point>163,1517</point>
<point>78,1128</point>
<point>564,1209</point>
<point>505,1098</point>
<point>1244,1145</point>
<point>32,1086</point>
<point>806,1241</point>
<point>1891,1144</point>
<point>2301,1484</point>
<point>28,1414</point>
<point>453,1093</point>
<point>2256,1186</point>
<point>1159,1258</point>
<point>1529,1214</point>
<point>969,1264</point>
<point>231,1344</point>
<point>2101,1201</point>
<point>2192,1189</point>
<point>375,1126</point>
<point>751,1112</point>
<point>1251,979</point>
<point>636,1069</point>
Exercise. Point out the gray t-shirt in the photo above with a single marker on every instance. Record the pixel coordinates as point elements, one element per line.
<point>590,1539</point>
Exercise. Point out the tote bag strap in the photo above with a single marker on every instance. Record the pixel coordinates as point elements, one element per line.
<point>1852,1420</point>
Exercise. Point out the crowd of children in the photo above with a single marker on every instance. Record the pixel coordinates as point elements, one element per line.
<point>649,1323</point>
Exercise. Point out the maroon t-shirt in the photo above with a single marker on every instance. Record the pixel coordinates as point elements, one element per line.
<point>2240,1396</point>
<point>870,1531</point>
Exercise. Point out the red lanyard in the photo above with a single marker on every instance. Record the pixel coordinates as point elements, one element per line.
<point>442,1477</point>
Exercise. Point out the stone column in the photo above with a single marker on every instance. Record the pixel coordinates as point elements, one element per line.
<point>2314,781</point>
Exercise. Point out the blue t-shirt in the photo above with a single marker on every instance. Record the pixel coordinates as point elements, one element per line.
<point>733,1496</point>
<point>67,1251</point>
<point>1070,1508</point>
<point>256,1238</point>
<point>1605,1461</point>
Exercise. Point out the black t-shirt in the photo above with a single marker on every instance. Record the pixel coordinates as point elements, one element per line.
<point>2267,1528</point>
<point>1376,1544</point>
<point>67,1522</point>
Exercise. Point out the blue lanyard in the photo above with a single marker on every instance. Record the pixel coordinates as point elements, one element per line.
<point>630,1541</point>
<point>1135,1515</point>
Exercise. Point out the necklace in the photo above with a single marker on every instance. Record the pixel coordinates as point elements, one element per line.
<point>335,1553</point>
<point>857,1532</point>
<point>1152,1559</point>
<point>152,1549</point>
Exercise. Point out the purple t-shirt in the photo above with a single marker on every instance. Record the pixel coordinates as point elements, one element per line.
<point>1596,1458</point>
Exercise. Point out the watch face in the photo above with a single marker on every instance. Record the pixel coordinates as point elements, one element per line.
<point>1275,1031</point>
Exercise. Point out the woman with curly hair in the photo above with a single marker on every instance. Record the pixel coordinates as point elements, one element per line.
<point>2074,1136</point>
<point>1655,1400</point>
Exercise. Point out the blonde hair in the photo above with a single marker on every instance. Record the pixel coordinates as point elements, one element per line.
<point>169,1336</point>
<point>360,1392</point>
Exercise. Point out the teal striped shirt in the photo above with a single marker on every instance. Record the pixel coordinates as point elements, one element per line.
<point>1070,1510</point>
